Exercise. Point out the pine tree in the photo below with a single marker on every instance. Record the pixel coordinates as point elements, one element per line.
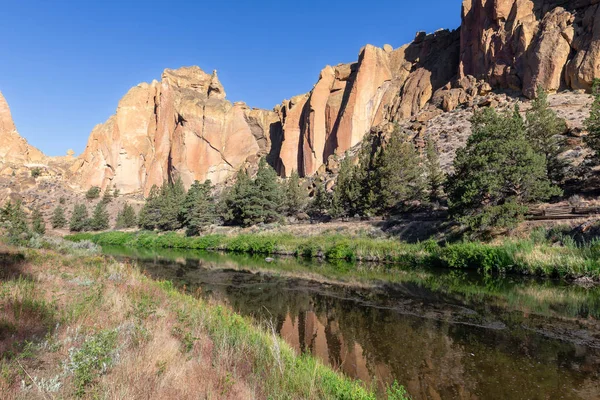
<point>295,195</point>
<point>100,218</point>
<point>126,217</point>
<point>92,193</point>
<point>14,219</point>
<point>366,185</point>
<point>401,173</point>
<point>150,212</point>
<point>37,222</point>
<point>170,203</point>
<point>239,202</point>
<point>497,174</point>
<point>58,218</point>
<point>199,208</point>
<point>543,130</point>
<point>251,202</point>
<point>346,192</point>
<point>321,201</point>
<point>107,197</point>
<point>435,175</point>
<point>592,123</point>
<point>269,192</point>
<point>79,218</point>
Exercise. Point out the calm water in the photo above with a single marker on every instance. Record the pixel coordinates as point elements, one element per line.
<point>443,335</point>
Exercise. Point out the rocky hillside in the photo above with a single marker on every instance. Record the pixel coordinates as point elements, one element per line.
<point>13,148</point>
<point>184,126</point>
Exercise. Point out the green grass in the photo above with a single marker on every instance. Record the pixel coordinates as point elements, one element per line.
<point>530,256</point>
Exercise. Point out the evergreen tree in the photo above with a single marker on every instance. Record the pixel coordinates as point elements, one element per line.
<point>321,201</point>
<point>295,195</point>
<point>592,123</point>
<point>251,202</point>
<point>346,193</point>
<point>240,205</point>
<point>171,199</point>
<point>365,189</point>
<point>401,173</point>
<point>543,129</point>
<point>497,174</point>
<point>92,193</point>
<point>14,220</point>
<point>269,194</point>
<point>100,218</point>
<point>79,218</point>
<point>126,217</point>
<point>37,222</point>
<point>151,210</point>
<point>58,218</point>
<point>435,175</point>
<point>107,197</point>
<point>199,208</point>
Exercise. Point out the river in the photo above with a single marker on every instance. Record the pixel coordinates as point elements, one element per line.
<point>442,334</point>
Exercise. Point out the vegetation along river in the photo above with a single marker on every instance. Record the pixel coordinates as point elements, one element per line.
<point>441,334</point>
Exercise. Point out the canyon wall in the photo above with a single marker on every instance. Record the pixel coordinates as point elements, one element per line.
<point>179,127</point>
<point>13,148</point>
<point>183,126</point>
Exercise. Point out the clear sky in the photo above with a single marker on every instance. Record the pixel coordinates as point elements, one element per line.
<point>65,64</point>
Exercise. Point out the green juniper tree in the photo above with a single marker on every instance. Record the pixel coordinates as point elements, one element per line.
<point>150,212</point>
<point>37,222</point>
<point>107,197</point>
<point>126,217</point>
<point>171,200</point>
<point>58,218</point>
<point>92,193</point>
<point>253,201</point>
<point>592,123</point>
<point>239,205</point>
<point>13,218</point>
<point>435,175</point>
<point>543,130</point>
<point>79,218</point>
<point>199,208</point>
<point>401,173</point>
<point>100,218</point>
<point>346,192</point>
<point>321,201</point>
<point>497,174</point>
<point>295,195</point>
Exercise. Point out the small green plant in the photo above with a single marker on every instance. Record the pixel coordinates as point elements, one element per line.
<point>93,193</point>
<point>92,359</point>
<point>35,172</point>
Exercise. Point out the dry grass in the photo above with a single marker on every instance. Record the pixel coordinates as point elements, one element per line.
<point>106,330</point>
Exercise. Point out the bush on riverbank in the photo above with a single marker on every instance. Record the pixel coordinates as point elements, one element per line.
<point>526,256</point>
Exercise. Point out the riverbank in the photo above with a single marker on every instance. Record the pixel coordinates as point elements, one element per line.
<point>80,325</point>
<point>534,256</point>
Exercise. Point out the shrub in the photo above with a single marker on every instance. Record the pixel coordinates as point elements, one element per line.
<point>93,193</point>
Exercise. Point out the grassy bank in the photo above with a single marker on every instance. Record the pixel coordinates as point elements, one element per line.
<point>83,326</point>
<point>534,256</point>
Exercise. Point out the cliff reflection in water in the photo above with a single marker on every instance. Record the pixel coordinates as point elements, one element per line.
<point>438,345</point>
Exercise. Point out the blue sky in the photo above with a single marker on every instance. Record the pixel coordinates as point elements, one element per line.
<point>65,64</point>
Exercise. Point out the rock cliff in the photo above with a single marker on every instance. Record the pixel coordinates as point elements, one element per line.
<point>184,126</point>
<point>13,148</point>
<point>179,127</point>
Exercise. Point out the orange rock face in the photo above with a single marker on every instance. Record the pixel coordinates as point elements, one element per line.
<point>349,99</point>
<point>519,44</point>
<point>179,127</point>
<point>183,126</point>
<point>13,148</point>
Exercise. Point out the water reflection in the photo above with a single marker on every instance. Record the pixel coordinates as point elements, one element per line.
<point>438,343</point>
